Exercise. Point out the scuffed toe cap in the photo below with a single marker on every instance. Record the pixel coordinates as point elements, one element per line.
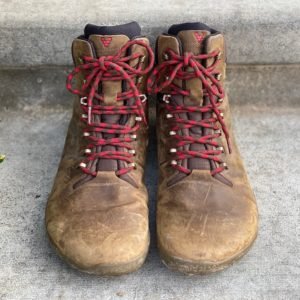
<point>208,239</point>
<point>91,241</point>
<point>97,228</point>
<point>203,228</point>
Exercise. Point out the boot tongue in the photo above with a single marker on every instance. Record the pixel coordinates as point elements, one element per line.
<point>109,45</point>
<point>106,45</point>
<point>191,35</point>
<point>192,41</point>
<point>107,41</point>
<point>193,38</point>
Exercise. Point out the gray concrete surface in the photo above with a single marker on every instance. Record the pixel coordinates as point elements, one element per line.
<point>263,85</point>
<point>35,39</point>
<point>35,32</point>
<point>32,139</point>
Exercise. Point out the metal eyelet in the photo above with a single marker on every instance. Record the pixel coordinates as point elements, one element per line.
<point>224,165</point>
<point>133,136</point>
<point>219,55</point>
<point>220,149</point>
<point>87,151</point>
<point>143,98</point>
<point>222,115</point>
<point>166,98</point>
<point>142,58</point>
<point>82,102</point>
<point>172,132</point>
<point>219,76</point>
<point>218,131</point>
<point>86,134</point>
<point>166,56</point>
<point>132,165</point>
<point>174,162</point>
<point>138,119</point>
<point>131,151</point>
<point>220,100</point>
<point>173,150</point>
<point>84,116</point>
<point>82,165</point>
<point>169,116</point>
<point>139,79</point>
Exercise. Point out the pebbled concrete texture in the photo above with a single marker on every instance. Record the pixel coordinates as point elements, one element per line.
<point>32,139</point>
<point>35,32</point>
<point>264,85</point>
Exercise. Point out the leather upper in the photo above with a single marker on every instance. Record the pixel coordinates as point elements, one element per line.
<point>200,217</point>
<point>100,220</point>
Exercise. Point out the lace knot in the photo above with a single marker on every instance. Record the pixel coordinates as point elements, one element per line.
<point>103,63</point>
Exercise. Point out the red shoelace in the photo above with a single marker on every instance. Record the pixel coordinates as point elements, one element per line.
<point>174,67</point>
<point>111,68</point>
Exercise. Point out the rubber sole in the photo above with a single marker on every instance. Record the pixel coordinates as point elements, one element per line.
<point>199,268</point>
<point>106,269</point>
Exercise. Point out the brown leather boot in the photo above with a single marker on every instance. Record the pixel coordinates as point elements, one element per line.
<point>97,213</point>
<point>206,210</point>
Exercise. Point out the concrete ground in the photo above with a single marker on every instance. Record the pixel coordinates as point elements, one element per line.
<point>263,50</point>
<point>35,32</point>
<point>32,139</point>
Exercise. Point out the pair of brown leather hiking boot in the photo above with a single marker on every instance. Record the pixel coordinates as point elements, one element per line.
<point>97,213</point>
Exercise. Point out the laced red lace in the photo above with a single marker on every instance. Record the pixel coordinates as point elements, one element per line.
<point>111,68</point>
<point>175,68</point>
